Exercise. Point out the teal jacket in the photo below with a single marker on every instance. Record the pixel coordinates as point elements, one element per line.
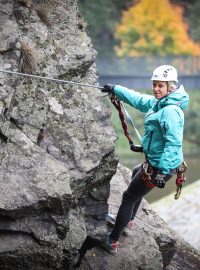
<point>163,125</point>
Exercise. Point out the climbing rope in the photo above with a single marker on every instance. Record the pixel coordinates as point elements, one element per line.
<point>49,79</point>
<point>130,120</point>
<point>118,106</point>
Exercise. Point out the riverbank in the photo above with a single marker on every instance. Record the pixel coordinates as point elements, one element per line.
<point>183,215</point>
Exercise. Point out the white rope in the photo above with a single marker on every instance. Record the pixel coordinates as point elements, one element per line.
<point>130,120</point>
<point>49,79</point>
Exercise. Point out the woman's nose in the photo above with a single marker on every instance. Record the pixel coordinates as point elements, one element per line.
<point>156,87</point>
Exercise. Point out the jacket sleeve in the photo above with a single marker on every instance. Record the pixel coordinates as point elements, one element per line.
<point>139,101</point>
<point>171,123</point>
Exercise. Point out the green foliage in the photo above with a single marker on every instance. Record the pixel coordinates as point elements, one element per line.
<point>192,116</point>
<point>194,21</point>
<point>101,17</point>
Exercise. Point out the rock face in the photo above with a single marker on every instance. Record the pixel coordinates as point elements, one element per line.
<point>57,152</point>
<point>56,140</point>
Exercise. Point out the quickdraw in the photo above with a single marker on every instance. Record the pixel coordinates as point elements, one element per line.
<point>118,106</point>
<point>180,179</point>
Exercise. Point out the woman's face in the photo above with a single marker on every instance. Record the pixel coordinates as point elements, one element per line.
<point>159,89</point>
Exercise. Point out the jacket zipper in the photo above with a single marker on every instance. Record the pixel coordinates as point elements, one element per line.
<point>165,129</point>
<point>157,105</point>
<point>151,135</point>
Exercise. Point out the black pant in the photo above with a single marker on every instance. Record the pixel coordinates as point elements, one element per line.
<point>131,200</point>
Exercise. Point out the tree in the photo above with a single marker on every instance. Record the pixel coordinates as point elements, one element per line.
<point>101,17</point>
<point>154,28</point>
<point>192,115</point>
<point>194,21</point>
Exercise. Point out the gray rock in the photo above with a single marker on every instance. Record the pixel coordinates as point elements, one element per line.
<point>8,26</point>
<point>56,145</point>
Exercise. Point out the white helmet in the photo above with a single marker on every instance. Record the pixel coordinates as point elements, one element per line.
<point>165,73</point>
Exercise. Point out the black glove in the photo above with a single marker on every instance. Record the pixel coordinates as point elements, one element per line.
<point>160,180</point>
<point>108,88</point>
<point>136,148</point>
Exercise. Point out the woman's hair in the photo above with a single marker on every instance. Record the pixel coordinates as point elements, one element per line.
<point>172,85</point>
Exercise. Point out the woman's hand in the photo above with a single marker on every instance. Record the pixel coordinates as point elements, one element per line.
<point>108,88</point>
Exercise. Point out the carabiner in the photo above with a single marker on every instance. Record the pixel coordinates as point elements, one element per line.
<point>145,167</point>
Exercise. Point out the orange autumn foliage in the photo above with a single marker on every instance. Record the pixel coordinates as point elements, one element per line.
<point>154,28</point>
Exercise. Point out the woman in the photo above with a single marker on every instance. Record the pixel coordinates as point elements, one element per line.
<point>161,142</point>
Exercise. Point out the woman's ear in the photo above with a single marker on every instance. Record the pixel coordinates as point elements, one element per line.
<point>171,88</point>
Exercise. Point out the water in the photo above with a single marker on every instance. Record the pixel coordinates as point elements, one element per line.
<point>192,175</point>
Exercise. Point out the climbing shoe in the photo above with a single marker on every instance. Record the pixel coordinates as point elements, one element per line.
<point>110,219</point>
<point>109,246</point>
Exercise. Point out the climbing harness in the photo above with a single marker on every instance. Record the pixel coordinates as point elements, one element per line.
<point>180,179</point>
<point>147,171</point>
<point>49,79</point>
<point>118,105</point>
